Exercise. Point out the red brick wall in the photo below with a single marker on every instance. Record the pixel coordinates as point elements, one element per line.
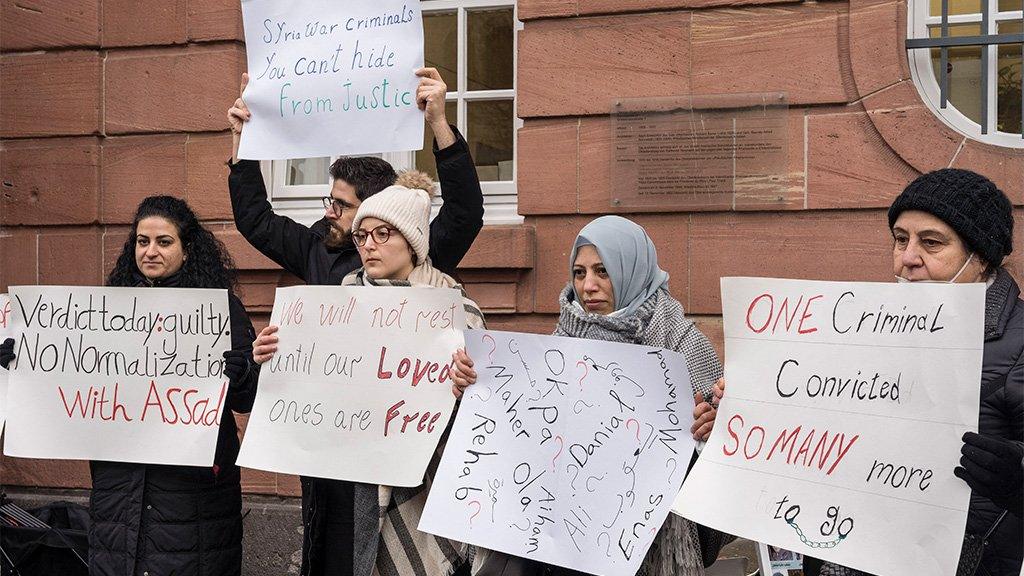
<point>103,102</point>
<point>858,133</point>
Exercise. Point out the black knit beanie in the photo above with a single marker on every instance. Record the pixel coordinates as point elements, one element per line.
<point>971,204</point>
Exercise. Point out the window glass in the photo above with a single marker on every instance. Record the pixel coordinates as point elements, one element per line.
<point>1010,5</point>
<point>956,7</point>
<point>964,68</point>
<point>441,45</point>
<point>305,171</point>
<point>1009,67</point>
<point>489,49</point>
<point>489,126</point>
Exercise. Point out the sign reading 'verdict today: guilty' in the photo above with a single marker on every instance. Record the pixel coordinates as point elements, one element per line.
<point>331,78</point>
<point>119,374</point>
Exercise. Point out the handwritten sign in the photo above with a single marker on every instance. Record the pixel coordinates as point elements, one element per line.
<point>841,424</point>
<point>330,78</point>
<point>120,374</point>
<point>5,333</point>
<point>360,388</point>
<point>566,451</point>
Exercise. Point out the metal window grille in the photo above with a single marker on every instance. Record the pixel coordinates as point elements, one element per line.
<point>945,41</point>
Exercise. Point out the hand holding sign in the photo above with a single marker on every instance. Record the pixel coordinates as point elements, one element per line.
<point>463,374</point>
<point>238,115</point>
<point>265,345</point>
<point>6,353</point>
<point>430,97</point>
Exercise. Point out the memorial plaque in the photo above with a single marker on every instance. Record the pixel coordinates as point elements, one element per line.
<point>716,152</point>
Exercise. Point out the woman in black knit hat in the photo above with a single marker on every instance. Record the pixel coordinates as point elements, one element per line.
<point>956,226</point>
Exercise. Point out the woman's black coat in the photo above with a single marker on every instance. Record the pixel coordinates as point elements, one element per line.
<point>152,520</point>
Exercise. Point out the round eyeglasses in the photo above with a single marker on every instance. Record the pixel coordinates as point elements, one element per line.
<point>380,234</point>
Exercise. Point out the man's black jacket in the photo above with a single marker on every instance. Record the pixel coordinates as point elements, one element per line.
<point>300,249</point>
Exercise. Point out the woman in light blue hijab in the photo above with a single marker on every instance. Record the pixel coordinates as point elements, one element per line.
<point>618,293</point>
<point>629,257</point>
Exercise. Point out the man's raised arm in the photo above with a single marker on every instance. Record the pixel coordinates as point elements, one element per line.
<point>279,238</point>
<point>461,216</point>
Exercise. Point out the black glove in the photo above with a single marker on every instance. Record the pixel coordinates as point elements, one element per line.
<point>993,468</point>
<point>7,352</point>
<point>237,364</point>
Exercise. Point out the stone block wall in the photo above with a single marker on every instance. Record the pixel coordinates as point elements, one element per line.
<point>104,102</point>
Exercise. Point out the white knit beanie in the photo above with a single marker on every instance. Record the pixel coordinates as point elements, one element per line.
<point>406,206</point>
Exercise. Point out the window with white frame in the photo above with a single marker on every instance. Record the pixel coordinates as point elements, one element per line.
<point>966,61</point>
<point>472,43</point>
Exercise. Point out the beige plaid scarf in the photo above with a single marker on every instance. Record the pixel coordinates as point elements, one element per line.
<point>387,542</point>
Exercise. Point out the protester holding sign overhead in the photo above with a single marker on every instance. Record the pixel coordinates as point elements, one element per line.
<point>391,233</point>
<point>325,253</point>
<point>160,519</point>
<point>618,293</point>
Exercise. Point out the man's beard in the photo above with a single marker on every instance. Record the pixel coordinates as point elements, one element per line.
<point>338,240</point>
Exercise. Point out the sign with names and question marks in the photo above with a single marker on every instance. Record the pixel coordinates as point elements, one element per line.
<point>567,451</point>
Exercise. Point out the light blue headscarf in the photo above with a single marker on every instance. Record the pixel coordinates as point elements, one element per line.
<point>628,255</point>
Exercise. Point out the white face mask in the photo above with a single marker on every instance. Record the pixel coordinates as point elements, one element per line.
<point>970,256</point>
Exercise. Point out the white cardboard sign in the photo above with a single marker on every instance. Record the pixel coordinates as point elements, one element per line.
<point>566,451</point>
<point>842,421</point>
<point>119,374</point>
<point>331,78</point>
<point>5,333</point>
<point>360,387</point>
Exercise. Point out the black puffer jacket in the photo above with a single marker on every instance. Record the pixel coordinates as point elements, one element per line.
<point>149,520</point>
<point>327,505</point>
<point>1002,415</point>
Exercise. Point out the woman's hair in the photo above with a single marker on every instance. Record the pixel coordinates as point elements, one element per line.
<point>207,263</point>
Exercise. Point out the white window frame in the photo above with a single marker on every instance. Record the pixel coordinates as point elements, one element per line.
<point>922,73</point>
<point>303,202</point>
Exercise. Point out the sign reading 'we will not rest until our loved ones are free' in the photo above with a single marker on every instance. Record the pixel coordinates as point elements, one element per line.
<point>842,421</point>
<point>331,78</point>
<point>360,388</point>
<point>118,374</point>
<point>566,451</point>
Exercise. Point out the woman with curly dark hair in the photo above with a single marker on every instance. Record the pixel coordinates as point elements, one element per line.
<point>157,520</point>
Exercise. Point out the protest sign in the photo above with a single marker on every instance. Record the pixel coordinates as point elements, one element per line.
<point>360,388</point>
<point>842,419</point>
<point>566,451</point>
<point>120,374</point>
<point>330,78</point>
<point>5,333</point>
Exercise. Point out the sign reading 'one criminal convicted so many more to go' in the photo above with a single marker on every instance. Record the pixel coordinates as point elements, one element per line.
<point>5,333</point>
<point>120,374</point>
<point>360,388</point>
<point>567,451</point>
<point>329,78</point>
<point>842,421</point>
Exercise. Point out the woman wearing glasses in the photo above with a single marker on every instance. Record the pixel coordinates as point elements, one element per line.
<point>391,231</point>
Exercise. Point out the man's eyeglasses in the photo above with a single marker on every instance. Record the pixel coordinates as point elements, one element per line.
<point>380,234</point>
<point>337,207</point>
